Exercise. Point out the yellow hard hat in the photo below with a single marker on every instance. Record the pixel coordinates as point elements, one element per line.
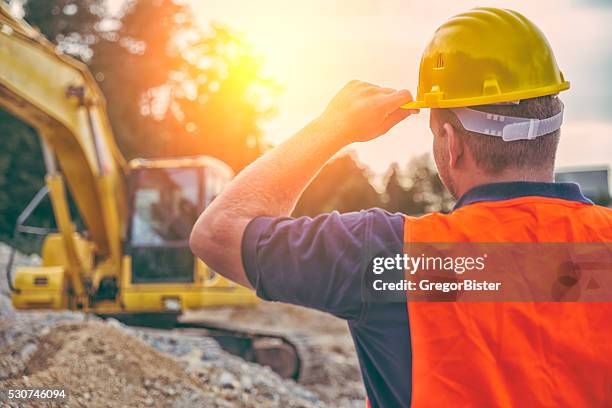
<point>486,56</point>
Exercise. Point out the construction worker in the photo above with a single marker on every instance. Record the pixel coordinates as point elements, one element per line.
<point>491,81</point>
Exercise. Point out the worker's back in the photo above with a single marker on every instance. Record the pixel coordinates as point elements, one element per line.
<point>493,353</point>
<point>512,353</point>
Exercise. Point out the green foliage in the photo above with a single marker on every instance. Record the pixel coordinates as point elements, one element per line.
<point>344,185</point>
<point>417,189</point>
<point>21,176</point>
<point>602,199</point>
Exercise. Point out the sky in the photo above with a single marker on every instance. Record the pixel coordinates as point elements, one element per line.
<point>314,47</point>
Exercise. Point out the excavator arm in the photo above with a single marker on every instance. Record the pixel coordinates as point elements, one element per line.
<point>59,98</point>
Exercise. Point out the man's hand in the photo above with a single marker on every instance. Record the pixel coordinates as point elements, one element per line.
<point>362,111</point>
<point>273,183</point>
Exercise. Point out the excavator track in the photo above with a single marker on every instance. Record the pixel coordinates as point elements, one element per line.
<point>290,354</point>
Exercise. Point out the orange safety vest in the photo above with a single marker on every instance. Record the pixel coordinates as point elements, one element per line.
<point>513,354</point>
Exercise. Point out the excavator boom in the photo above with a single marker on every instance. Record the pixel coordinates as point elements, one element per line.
<point>69,113</point>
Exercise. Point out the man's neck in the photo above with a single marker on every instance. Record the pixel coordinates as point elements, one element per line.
<point>505,177</point>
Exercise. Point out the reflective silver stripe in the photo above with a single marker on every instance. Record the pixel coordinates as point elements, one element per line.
<point>509,128</point>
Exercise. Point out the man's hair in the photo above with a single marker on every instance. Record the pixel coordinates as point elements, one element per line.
<point>494,155</point>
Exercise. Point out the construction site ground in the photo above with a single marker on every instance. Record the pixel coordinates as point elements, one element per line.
<point>102,363</point>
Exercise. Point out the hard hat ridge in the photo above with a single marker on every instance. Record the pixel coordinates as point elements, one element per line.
<point>486,56</point>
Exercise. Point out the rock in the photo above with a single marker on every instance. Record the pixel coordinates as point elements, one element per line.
<point>27,351</point>
<point>227,380</point>
<point>246,383</point>
<point>114,323</point>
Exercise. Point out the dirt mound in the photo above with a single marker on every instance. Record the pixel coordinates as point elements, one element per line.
<point>101,366</point>
<point>104,366</point>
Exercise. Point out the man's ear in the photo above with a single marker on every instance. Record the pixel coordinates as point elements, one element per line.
<point>455,146</point>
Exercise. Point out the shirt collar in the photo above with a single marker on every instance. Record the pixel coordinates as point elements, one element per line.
<point>516,189</point>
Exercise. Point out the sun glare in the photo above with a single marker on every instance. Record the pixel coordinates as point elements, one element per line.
<point>313,48</point>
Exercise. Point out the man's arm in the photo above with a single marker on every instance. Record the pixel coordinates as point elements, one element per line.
<point>272,184</point>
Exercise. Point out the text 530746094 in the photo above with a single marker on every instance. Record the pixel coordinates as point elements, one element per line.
<point>39,394</point>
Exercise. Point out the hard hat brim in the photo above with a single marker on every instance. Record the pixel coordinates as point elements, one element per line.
<point>437,100</point>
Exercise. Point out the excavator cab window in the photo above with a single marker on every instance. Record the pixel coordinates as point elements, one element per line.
<point>165,205</point>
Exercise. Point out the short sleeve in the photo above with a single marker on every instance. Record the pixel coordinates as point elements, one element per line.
<point>318,262</point>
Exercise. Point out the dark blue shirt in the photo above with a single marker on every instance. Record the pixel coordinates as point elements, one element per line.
<point>321,263</point>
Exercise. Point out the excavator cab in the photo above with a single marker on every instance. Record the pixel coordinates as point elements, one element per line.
<point>165,203</point>
<point>160,274</point>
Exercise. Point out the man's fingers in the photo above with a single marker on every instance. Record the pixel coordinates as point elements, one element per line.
<point>394,118</point>
<point>366,110</point>
<point>397,99</point>
<point>370,89</point>
<point>391,96</point>
<point>388,91</point>
<point>379,90</point>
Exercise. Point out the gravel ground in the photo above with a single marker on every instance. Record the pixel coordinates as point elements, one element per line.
<point>343,386</point>
<point>106,364</point>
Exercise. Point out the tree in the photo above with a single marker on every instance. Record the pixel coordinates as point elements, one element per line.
<point>342,185</point>
<point>417,189</point>
<point>395,193</point>
<point>21,176</point>
<point>224,98</point>
<point>172,87</point>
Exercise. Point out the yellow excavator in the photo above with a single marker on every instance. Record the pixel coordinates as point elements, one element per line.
<point>132,261</point>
